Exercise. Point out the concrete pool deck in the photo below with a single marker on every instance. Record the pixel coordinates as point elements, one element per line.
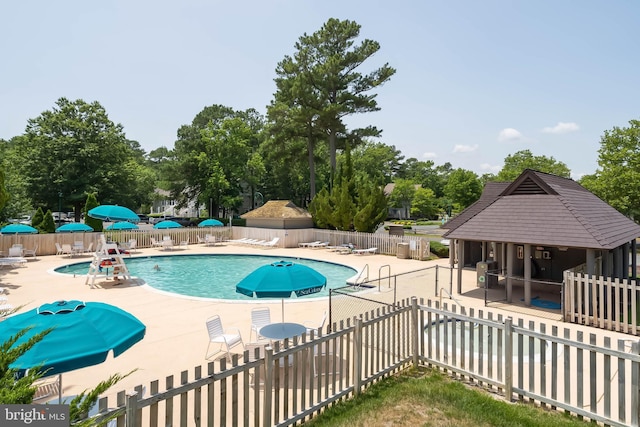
<point>176,337</point>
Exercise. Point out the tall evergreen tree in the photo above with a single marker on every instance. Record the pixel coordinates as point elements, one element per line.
<point>321,84</point>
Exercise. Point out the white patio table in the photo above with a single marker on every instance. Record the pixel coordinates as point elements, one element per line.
<point>282,330</point>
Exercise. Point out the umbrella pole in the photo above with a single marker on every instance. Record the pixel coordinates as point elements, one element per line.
<point>282,310</point>
<point>59,389</point>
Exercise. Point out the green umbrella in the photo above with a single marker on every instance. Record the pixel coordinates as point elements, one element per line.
<point>210,223</point>
<point>83,335</point>
<point>18,229</point>
<point>74,227</point>
<point>122,225</point>
<point>281,279</point>
<point>113,213</point>
<point>164,225</point>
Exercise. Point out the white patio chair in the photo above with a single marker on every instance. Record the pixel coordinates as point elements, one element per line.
<point>260,316</point>
<point>30,252</point>
<point>225,339</point>
<point>314,327</point>
<point>58,249</point>
<point>328,349</point>
<point>133,245</point>
<point>15,252</point>
<point>89,248</point>
<point>67,250</point>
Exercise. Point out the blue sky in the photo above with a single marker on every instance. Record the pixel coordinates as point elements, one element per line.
<point>475,82</point>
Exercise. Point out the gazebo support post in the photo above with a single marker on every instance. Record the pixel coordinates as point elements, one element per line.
<point>527,275</point>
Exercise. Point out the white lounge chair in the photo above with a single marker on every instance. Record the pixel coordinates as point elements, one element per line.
<point>365,251</point>
<point>319,245</point>
<point>226,339</point>
<point>260,316</point>
<point>58,249</point>
<point>307,244</point>
<point>12,261</point>
<point>270,244</point>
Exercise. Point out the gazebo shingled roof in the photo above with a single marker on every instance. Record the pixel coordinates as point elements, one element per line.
<point>277,209</point>
<point>543,209</point>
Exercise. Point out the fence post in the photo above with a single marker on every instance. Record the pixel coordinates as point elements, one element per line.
<point>508,358</point>
<point>132,408</point>
<point>268,388</point>
<point>635,390</point>
<point>357,356</point>
<point>416,328</point>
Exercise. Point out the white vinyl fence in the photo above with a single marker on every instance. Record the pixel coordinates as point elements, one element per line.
<point>590,376</point>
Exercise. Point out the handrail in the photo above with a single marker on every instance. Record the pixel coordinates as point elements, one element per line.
<point>388,275</point>
<point>464,311</point>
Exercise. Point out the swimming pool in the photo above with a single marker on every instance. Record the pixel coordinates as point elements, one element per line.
<point>212,276</point>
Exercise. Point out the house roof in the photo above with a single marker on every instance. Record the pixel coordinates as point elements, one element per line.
<point>543,209</point>
<point>277,209</point>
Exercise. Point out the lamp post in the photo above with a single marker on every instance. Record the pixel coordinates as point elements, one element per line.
<point>59,207</point>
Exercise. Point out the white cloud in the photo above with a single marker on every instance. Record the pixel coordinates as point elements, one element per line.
<point>489,168</point>
<point>561,128</point>
<point>459,148</point>
<point>509,134</point>
<point>429,155</point>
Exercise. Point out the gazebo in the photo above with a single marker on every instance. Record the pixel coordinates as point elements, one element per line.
<point>279,214</point>
<point>538,226</point>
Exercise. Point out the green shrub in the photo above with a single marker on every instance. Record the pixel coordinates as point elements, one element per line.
<point>439,249</point>
<point>47,225</point>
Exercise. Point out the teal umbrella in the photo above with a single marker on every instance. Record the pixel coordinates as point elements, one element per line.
<point>83,335</point>
<point>122,225</point>
<point>164,225</point>
<point>113,213</point>
<point>74,227</point>
<point>210,223</point>
<point>18,229</point>
<point>281,279</point>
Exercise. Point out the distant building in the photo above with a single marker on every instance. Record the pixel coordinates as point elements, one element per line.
<point>402,212</point>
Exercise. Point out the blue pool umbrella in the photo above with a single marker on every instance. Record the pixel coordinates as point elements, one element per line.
<point>18,229</point>
<point>122,225</point>
<point>281,279</point>
<point>74,227</point>
<point>210,223</point>
<point>83,335</point>
<point>166,224</point>
<point>113,213</point>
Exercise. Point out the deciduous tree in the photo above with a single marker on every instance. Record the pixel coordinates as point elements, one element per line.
<point>617,179</point>
<point>515,164</point>
<point>75,149</point>
<point>463,187</point>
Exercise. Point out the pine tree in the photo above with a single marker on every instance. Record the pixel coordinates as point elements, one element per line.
<point>91,203</point>
<point>48,225</point>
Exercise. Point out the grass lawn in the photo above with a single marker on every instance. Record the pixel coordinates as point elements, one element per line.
<point>429,398</point>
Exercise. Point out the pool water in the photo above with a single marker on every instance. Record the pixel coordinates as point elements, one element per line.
<point>212,276</point>
<point>471,332</point>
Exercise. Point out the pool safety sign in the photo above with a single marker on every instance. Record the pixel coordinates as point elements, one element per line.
<point>34,415</point>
